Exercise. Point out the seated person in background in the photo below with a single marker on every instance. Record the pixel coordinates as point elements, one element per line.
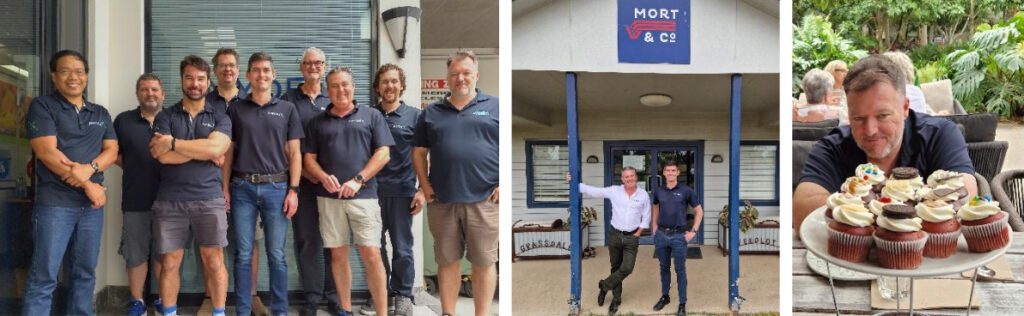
<point>837,68</point>
<point>914,94</point>
<point>817,84</point>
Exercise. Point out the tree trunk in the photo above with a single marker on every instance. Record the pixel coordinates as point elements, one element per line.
<point>922,35</point>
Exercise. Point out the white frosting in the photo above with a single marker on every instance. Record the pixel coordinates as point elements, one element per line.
<point>875,206</point>
<point>935,211</point>
<point>949,198</point>
<point>955,180</point>
<point>898,190</point>
<point>871,173</point>
<point>915,183</point>
<point>975,210</point>
<point>839,198</point>
<point>853,215</point>
<point>856,186</point>
<point>900,225</point>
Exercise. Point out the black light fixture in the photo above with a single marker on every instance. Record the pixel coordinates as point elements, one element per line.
<point>396,21</point>
<point>592,159</point>
<point>716,158</point>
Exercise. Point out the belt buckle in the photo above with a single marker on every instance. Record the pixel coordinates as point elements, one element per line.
<point>254,178</point>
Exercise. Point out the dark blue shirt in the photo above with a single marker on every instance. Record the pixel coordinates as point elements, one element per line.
<point>463,148</point>
<point>308,108</point>
<point>218,103</point>
<point>260,133</point>
<point>344,145</point>
<point>80,136</point>
<point>398,179</point>
<point>195,180</point>
<point>672,205</point>
<point>141,179</point>
<point>929,144</point>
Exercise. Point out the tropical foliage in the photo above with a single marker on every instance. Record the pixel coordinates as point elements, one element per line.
<point>815,44</point>
<point>990,69</point>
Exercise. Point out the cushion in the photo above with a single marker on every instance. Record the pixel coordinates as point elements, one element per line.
<point>800,151</point>
<point>939,95</point>
<point>978,127</point>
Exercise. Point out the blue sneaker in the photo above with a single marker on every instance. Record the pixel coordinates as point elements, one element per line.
<point>342,312</point>
<point>136,308</point>
<point>158,306</point>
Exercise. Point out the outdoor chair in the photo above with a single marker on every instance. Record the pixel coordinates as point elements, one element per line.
<point>979,130</point>
<point>813,130</point>
<point>1008,190</point>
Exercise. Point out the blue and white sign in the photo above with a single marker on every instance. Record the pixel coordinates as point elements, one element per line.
<point>654,31</point>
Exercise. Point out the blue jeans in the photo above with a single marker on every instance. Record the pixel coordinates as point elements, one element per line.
<point>53,230</point>
<point>401,270</point>
<point>265,200</point>
<point>669,246</point>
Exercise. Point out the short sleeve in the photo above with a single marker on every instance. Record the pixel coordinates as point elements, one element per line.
<point>949,150</point>
<point>311,144</point>
<point>295,124</point>
<point>691,197</point>
<point>419,135</point>
<point>40,121</point>
<point>223,124</point>
<point>381,133</point>
<point>110,133</point>
<point>654,196</point>
<point>162,123</point>
<point>232,114</point>
<point>118,121</point>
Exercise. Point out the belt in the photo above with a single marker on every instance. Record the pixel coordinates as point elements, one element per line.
<point>261,178</point>
<point>629,233</point>
<point>672,230</point>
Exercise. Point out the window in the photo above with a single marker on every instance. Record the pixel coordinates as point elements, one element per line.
<point>547,162</point>
<point>759,172</point>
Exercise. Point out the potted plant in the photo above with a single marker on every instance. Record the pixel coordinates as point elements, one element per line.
<point>754,237</point>
<point>748,217</point>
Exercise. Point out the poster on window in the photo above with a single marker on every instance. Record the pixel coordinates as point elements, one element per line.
<point>635,161</point>
<point>433,90</point>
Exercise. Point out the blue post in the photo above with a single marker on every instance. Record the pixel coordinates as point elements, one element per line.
<point>734,192</point>
<point>574,194</point>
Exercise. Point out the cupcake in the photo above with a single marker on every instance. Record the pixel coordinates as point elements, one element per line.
<point>900,190</point>
<point>950,180</point>
<point>859,187</point>
<point>849,234</point>
<point>872,174</point>
<point>984,225</point>
<point>899,238</point>
<point>939,221</point>
<point>908,175</point>
<point>875,206</point>
<point>838,199</point>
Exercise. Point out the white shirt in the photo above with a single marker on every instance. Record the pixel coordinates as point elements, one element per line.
<point>917,102</point>
<point>628,212</point>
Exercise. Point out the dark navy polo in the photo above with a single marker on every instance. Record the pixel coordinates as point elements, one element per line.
<point>463,148</point>
<point>141,178</point>
<point>80,136</point>
<point>929,144</point>
<point>672,205</point>
<point>398,179</point>
<point>260,134</point>
<point>195,180</point>
<point>344,145</point>
<point>308,108</point>
<point>218,103</point>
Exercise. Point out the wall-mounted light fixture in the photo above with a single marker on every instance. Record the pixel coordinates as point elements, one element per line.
<point>716,158</point>
<point>396,21</point>
<point>592,159</point>
<point>655,100</point>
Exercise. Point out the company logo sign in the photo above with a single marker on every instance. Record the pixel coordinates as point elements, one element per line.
<point>654,31</point>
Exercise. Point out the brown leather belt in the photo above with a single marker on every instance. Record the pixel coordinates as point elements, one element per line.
<point>260,178</point>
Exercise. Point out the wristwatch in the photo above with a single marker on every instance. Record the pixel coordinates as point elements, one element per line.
<point>95,166</point>
<point>295,189</point>
<point>359,178</point>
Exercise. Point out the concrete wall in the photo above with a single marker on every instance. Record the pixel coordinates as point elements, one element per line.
<point>727,36</point>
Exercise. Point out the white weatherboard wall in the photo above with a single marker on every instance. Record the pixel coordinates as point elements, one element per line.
<point>727,36</point>
<point>596,128</point>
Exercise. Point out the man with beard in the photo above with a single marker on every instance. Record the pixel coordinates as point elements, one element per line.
<point>139,184</point>
<point>317,284</point>
<point>884,131</point>
<point>187,137</point>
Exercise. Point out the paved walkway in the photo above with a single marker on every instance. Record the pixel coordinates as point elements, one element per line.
<point>1013,133</point>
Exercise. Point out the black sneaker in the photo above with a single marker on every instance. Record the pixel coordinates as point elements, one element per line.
<point>601,293</point>
<point>309,309</point>
<point>613,308</point>
<point>664,300</point>
<point>682,310</point>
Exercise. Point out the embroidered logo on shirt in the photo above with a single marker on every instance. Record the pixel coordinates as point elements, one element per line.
<point>481,113</point>
<point>210,125</point>
<point>100,124</point>
<point>356,121</point>
<point>275,113</point>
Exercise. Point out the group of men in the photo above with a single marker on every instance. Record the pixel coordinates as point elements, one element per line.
<point>341,173</point>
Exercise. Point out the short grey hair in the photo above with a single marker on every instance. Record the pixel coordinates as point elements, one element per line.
<point>904,62</point>
<point>628,168</point>
<point>817,84</point>
<point>314,50</point>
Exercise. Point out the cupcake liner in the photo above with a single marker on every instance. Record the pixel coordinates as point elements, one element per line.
<point>848,247</point>
<point>987,237</point>
<point>941,245</point>
<point>904,255</point>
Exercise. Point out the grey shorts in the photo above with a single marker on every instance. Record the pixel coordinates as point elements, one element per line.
<point>173,220</point>
<point>137,242</point>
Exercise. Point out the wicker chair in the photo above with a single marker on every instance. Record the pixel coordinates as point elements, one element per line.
<point>988,157</point>
<point>1008,190</point>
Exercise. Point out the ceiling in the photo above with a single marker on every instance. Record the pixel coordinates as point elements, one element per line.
<point>459,24</point>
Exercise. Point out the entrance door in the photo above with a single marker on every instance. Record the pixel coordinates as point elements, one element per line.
<point>648,157</point>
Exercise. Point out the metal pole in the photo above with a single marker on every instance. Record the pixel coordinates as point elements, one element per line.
<point>974,279</point>
<point>734,192</point>
<point>576,240</point>
<point>832,286</point>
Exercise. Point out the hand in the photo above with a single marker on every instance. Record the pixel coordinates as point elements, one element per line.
<point>160,144</point>
<point>97,194</point>
<point>418,201</point>
<point>227,200</point>
<point>350,189</point>
<point>330,183</point>
<point>428,192</point>
<point>690,236</point>
<point>219,161</point>
<point>291,204</point>
<point>78,174</point>
<point>494,198</point>
<point>567,177</point>
<point>638,233</point>
<point>654,230</point>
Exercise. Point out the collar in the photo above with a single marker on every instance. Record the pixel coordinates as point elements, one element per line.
<point>298,89</point>
<point>912,128</point>
<point>138,112</point>
<point>242,94</point>
<point>248,99</point>
<point>355,109</point>
<point>89,106</point>
<point>397,112</point>
<point>480,98</point>
<point>180,107</point>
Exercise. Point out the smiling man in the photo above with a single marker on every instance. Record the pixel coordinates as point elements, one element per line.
<point>883,130</point>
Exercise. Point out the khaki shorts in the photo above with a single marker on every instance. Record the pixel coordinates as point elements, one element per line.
<point>464,228</point>
<point>345,221</point>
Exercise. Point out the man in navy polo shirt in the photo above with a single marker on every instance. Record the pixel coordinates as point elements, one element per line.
<point>398,197</point>
<point>345,148</point>
<point>883,130</point>
<point>139,184</point>
<point>310,99</point>
<point>187,137</point>
<point>460,132</point>
<point>225,66</point>
<point>672,232</point>
<point>266,164</point>
<point>74,142</point>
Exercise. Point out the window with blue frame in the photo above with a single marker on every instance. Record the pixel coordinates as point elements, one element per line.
<point>759,172</point>
<point>547,162</point>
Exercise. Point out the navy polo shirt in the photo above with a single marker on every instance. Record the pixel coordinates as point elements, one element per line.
<point>398,179</point>
<point>260,134</point>
<point>463,148</point>
<point>218,103</point>
<point>141,178</point>
<point>344,145</point>
<point>672,205</point>
<point>929,144</point>
<point>308,108</point>
<point>80,136</point>
<point>195,180</point>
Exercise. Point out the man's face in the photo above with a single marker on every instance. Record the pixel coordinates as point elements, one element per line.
<point>629,179</point>
<point>312,67</point>
<point>70,77</point>
<point>150,94</point>
<point>462,77</point>
<point>877,116</point>
<point>227,69</point>
<point>340,88</point>
<point>671,173</point>
<point>390,87</point>
<point>260,75</point>
<point>194,83</point>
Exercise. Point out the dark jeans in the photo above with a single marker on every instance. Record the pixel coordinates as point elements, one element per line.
<point>314,262</point>
<point>401,270</point>
<point>622,251</point>
<point>668,246</point>
<point>54,229</point>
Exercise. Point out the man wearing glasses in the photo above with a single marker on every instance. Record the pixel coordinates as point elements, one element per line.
<point>225,66</point>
